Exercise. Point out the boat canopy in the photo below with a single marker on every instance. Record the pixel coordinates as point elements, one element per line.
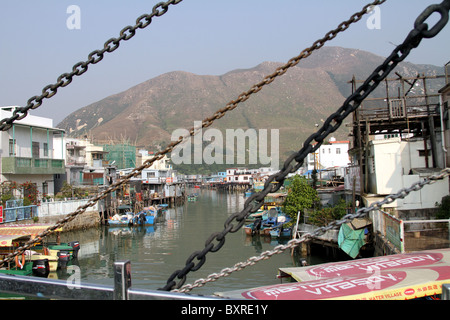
<point>395,277</point>
<point>7,240</point>
<point>25,229</point>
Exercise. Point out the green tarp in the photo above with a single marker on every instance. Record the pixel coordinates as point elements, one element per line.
<point>350,241</point>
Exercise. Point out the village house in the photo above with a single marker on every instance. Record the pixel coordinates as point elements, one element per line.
<point>27,152</point>
<point>242,175</point>
<point>85,162</point>
<point>331,154</point>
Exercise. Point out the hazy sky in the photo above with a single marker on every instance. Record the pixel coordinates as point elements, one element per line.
<point>200,36</point>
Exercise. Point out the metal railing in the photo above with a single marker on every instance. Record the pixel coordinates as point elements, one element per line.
<point>19,213</point>
<point>412,235</point>
<point>43,288</point>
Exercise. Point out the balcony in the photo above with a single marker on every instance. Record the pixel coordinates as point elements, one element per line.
<point>17,165</point>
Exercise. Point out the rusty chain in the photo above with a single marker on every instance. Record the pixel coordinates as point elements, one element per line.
<point>205,123</point>
<point>93,58</point>
<point>274,183</point>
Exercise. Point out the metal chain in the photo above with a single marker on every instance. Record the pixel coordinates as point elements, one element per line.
<point>295,161</point>
<point>206,123</point>
<point>81,67</point>
<point>319,231</point>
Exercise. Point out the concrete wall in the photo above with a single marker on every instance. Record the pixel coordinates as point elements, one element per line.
<point>51,212</point>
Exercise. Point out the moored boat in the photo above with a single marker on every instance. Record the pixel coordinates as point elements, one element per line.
<point>123,218</point>
<point>276,219</point>
<point>281,232</point>
<point>263,214</point>
<point>249,193</point>
<point>53,261</point>
<point>57,255</point>
<point>22,264</point>
<point>192,197</point>
<point>163,206</point>
<point>148,216</point>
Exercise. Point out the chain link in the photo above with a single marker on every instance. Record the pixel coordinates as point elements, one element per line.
<point>318,232</point>
<point>275,182</point>
<point>81,67</point>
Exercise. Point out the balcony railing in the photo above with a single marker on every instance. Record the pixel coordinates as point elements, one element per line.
<point>18,165</point>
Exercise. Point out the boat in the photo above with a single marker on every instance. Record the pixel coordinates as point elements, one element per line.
<point>65,252</point>
<point>23,264</point>
<point>123,218</point>
<point>276,219</point>
<point>192,197</point>
<point>163,206</point>
<point>53,260</point>
<point>263,214</point>
<point>407,276</point>
<point>148,216</point>
<point>281,232</point>
<point>57,254</point>
<point>249,193</point>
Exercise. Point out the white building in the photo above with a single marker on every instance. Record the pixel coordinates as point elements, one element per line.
<point>394,164</point>
<point>162,164</point>
<point>330,155</point>
<point>235,175</point>
<point>27,152</point>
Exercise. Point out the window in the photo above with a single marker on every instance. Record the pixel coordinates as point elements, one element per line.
<point>45,149</point>
<point>12,147</point>
<point>44,188</point>
<point>423,153</point>
<point>35,150</point>
<point>338,150</point>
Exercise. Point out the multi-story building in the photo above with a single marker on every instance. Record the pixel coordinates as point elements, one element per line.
<point>27,152</point>
<point>244,176</point>
<point>162,164</point>
<point>331,154</point>
<point>86,163</point>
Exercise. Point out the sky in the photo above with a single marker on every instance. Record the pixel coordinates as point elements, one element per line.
<point>206,37</point>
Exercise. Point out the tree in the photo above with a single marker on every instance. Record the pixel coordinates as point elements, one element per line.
<point>300,196</point>
<point>326,215</point>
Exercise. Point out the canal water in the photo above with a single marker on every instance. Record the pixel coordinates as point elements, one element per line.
<point>156,252</point>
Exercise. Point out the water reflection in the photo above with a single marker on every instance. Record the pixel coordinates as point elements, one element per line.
<point>156,252</point>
